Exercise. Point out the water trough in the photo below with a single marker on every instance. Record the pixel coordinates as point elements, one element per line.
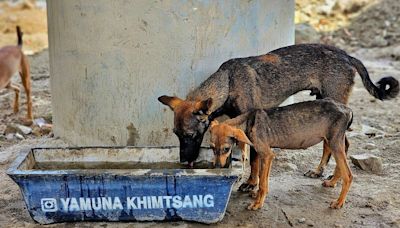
<point>121,184</point>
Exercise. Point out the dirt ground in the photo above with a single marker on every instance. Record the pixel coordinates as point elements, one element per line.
<point>293,200</point>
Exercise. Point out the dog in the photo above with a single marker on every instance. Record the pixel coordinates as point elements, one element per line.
<point>265,81</point>
<point>296,126</point>
<point>13,60</point>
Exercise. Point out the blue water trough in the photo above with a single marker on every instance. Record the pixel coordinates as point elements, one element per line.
<point>121,184</point>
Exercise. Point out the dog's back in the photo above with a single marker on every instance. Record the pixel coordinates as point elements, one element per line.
<point>267,80</point>
<point>300,125</point>
<point>10,60</point>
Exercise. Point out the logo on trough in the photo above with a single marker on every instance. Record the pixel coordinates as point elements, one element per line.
<point>49,204</point>
<point>131,203</point>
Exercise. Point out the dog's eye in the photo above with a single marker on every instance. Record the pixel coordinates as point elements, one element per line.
<point>227,149</point>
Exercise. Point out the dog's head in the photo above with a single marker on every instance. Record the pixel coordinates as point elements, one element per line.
<point>223,138</point>
<point>190,124</point>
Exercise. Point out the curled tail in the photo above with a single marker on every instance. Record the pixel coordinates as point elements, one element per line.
<point>379,91</point>
<point>350,120</point>
<point>19,35</point>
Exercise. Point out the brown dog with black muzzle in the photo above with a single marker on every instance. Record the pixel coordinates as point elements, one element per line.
<point>296,126</point>
<point>13,60</point>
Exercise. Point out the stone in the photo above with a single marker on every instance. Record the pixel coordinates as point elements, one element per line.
<point>310,223</point>
<point>10,129</point>
<point>301,220</point>
<point>10,136</point>
<point>19,136</point>
<point>369,146</point>
<point>338,225</point>
<point>17,128</point>
<point>39,122</point>
<point>23,129</point>
<point>371,131</point>
<point>367,162</point>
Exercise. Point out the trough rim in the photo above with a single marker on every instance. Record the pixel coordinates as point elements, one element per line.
<point>14,172</point>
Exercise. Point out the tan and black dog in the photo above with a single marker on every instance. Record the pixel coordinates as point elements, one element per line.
<point>296,126</point>
<point>13,60</point>
<point>265,81</point>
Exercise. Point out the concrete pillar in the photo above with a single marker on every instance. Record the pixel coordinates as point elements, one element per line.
<point>110,60</point>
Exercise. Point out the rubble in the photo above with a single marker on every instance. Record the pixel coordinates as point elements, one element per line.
<point>370,146</point>
<point>367,162</point>
<point>19,136</point>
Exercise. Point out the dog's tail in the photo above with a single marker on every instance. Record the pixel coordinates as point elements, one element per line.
<point>379,91</point>
<point>350,121</point>
<point>19,35</point>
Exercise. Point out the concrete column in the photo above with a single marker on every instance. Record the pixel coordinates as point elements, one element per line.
<point>110,60</point>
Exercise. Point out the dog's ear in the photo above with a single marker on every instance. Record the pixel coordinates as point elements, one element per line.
<point>214,123</point>
<point>240,136</point>
<point>202,107</point>
<point>172,102</point>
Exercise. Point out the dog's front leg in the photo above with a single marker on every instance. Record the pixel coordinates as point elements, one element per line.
<point>252,182</point>
<point>319,171</point>
<point>266,162</point>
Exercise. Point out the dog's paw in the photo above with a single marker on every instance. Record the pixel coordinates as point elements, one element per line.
<point>328,183</point>
<point>336,204</point>
<point>245,187</point>
<point>253,194</point>
<point>255,206</point>
<point>313,174</point>
<point>329,177</point>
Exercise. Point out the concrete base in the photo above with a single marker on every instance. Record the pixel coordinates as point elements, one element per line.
<point>110,60</point>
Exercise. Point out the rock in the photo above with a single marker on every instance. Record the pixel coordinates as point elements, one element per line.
<point>379,41</point>
<point>10,129</point>
<point>338,225</point>
<point>19,136</point>
<point>369,146</point>
<point>367,162</point>
<point>305,33</point>
<point>327,8</point>
<point>39,122</point>
<point>23,129</point>
<point>10,136</point>
<point>46,129</point>
<point>310,223</point>
<point>17,128</point>
<point>301,220</point>
<point>371,131</point>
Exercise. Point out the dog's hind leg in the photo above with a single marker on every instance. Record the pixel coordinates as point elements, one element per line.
<point>16,100</point>
<point>251,184</point>
<point>318,172</point>
<point>345,174</point>
<point>26,82</point>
